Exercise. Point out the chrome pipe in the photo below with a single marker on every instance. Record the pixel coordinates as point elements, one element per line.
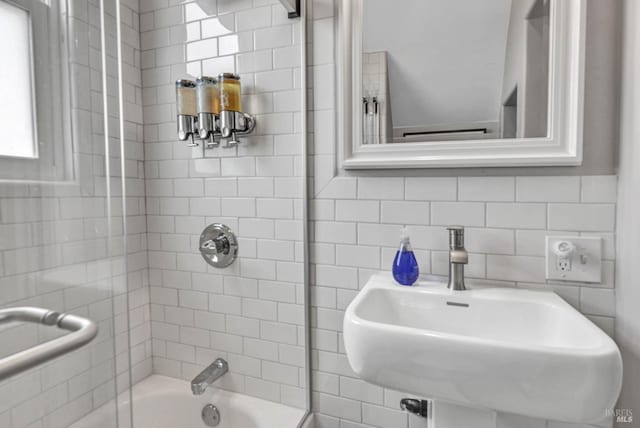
<point>83,332</point>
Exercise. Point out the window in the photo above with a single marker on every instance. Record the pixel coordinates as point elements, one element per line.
<point>36,107</point>
<point>17,111</point>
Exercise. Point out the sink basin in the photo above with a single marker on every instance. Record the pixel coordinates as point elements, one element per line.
<point>513,350</point>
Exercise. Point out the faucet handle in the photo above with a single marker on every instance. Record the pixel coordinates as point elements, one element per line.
<point>215,246</point>
<point>456,236</point>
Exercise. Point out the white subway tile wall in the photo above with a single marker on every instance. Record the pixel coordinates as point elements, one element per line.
<point>355,228</point>
<point>54,246</point>
<point>251,313</point>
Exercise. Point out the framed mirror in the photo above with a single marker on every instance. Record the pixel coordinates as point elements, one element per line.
<point>462,83</point>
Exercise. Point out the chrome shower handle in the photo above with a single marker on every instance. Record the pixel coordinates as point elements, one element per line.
<point>218,245</point>
<point>212,247</point>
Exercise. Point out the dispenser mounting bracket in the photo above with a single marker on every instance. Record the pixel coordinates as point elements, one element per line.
<point>292,7</point>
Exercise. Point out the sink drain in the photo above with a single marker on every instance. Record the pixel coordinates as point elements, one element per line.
<point>210,415</point>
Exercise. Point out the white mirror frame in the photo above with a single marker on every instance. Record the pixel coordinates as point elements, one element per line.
<point>561,147</point>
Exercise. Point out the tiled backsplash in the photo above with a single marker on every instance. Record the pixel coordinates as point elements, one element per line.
<point>251,313</point>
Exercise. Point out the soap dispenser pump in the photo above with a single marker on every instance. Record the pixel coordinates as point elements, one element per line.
<point>405,266</point>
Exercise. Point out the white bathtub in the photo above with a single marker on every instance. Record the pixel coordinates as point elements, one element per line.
<point>163,402</point>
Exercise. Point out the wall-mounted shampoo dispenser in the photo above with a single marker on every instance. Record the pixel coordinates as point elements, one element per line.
<point>186,110</point>
<point>209,108</point>
<point>232,121</point>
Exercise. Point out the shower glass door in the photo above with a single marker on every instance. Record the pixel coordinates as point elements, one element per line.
<point>62,209</point>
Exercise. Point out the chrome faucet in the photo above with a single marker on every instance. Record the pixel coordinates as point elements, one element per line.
<point>458,257</point>
<point>200,383</point>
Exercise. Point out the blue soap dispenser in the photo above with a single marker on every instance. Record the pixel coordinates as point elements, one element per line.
<point>405,266</point>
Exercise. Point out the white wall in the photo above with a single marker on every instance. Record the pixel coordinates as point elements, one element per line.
<point>441,69</point>
<point>526,69</point>
<point>515,47</point>
<point>628,269</point>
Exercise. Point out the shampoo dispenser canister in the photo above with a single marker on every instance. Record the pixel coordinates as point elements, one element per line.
<point>405,266</point>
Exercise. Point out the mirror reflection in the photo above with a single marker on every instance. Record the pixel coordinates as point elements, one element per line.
<point>437,70</point>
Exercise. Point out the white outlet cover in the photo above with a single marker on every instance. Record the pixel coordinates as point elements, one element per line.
<point>586,260</point>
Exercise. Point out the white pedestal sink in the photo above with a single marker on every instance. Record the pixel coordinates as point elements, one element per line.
<point>512,350</point>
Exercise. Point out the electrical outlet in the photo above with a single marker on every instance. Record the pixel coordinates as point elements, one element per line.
<point>574,258</point>
<point>563,264</point>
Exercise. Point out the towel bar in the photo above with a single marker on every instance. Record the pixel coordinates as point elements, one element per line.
<point>82,330</point>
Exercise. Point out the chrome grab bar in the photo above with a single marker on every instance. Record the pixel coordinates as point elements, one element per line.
<point>83,332</point>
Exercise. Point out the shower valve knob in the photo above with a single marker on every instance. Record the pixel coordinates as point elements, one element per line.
<point>218,245</point>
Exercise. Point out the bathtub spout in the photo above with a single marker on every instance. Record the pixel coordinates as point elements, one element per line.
<point>209,375</point>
